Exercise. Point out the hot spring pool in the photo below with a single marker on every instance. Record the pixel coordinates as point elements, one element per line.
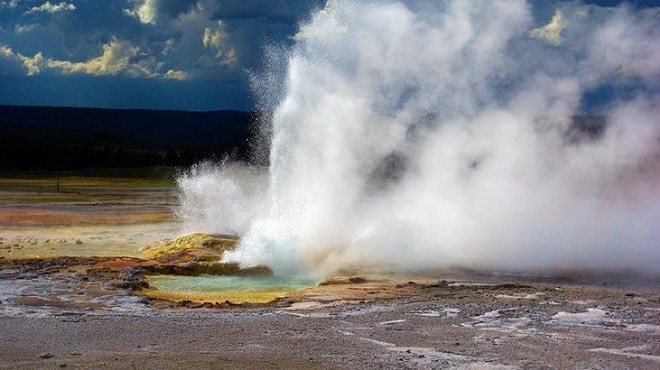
<point>235,289</point>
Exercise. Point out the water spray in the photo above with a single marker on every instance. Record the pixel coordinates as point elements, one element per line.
<point>417,134</point>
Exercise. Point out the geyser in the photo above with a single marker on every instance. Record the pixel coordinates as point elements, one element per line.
<point>420,134</point>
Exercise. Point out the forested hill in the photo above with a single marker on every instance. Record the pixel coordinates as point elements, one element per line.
<point>56,138</point>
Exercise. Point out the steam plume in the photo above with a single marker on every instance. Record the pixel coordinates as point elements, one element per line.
<point>433,133</point>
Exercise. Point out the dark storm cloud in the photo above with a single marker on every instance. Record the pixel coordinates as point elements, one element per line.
<point>88,52</point>
<point>196,38</point>
<point>153,44</point>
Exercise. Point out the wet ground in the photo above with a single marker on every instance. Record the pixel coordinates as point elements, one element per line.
<point>58,320</point>
<point>71,307</point>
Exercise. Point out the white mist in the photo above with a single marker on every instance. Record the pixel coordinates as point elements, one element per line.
<point>434,133</point>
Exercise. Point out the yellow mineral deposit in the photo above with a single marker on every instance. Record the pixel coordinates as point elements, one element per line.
<point>192,270</point>
<point>235,289</point>
<point>197,247</point>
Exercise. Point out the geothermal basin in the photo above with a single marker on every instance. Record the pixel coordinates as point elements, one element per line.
<point>475,184</point>
<point>65,302</point>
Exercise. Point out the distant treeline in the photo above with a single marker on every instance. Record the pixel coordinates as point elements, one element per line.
<point>54,138</point>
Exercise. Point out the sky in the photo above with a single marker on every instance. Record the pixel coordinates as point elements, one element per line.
<point>154,54</point>
<point>165,54</point>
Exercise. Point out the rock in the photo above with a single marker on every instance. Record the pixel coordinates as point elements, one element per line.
<point>439,284</point>
<point>190,255</point>
<point>194,247</point>
<point>142,300</point>
<point>208,268</point>
<point>343,280</point>
<point>46,355</point>
<point>509,286</point>
<point>79,241</point>
<point>255,271</point>
<point>131,285</point>
<point>131,273</point>
<point>187,304</point>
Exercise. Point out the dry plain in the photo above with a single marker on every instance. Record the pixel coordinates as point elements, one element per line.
<point>67,299</point>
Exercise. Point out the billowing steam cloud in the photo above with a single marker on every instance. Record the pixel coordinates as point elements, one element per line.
<point>438,133</point>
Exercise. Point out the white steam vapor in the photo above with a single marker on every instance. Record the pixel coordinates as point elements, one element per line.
<point>223,197</point>
<point>434,133</point>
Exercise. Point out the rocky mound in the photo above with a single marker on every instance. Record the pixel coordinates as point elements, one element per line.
<point>196,247</point>
<point>196,254</point>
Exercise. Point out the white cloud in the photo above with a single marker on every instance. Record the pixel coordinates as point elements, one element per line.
<point>49,7</point>
<point>25,28</point>
<point>115,59</point>
<point>209,58</point>
<point>118,58</point>
<point>177,75</point>
<point>212,38</point>
<point>146,11</point>
<point>186,56</point>
<point>10,4</point>
<point>551,32</point>
<point>31,65</point>
<point>229,58</point>
<point>205,39</point>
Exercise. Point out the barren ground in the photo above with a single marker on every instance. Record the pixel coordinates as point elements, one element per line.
<point>60,304</point>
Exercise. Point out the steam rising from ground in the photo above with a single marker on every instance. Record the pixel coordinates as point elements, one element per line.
<point>435,133</point>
